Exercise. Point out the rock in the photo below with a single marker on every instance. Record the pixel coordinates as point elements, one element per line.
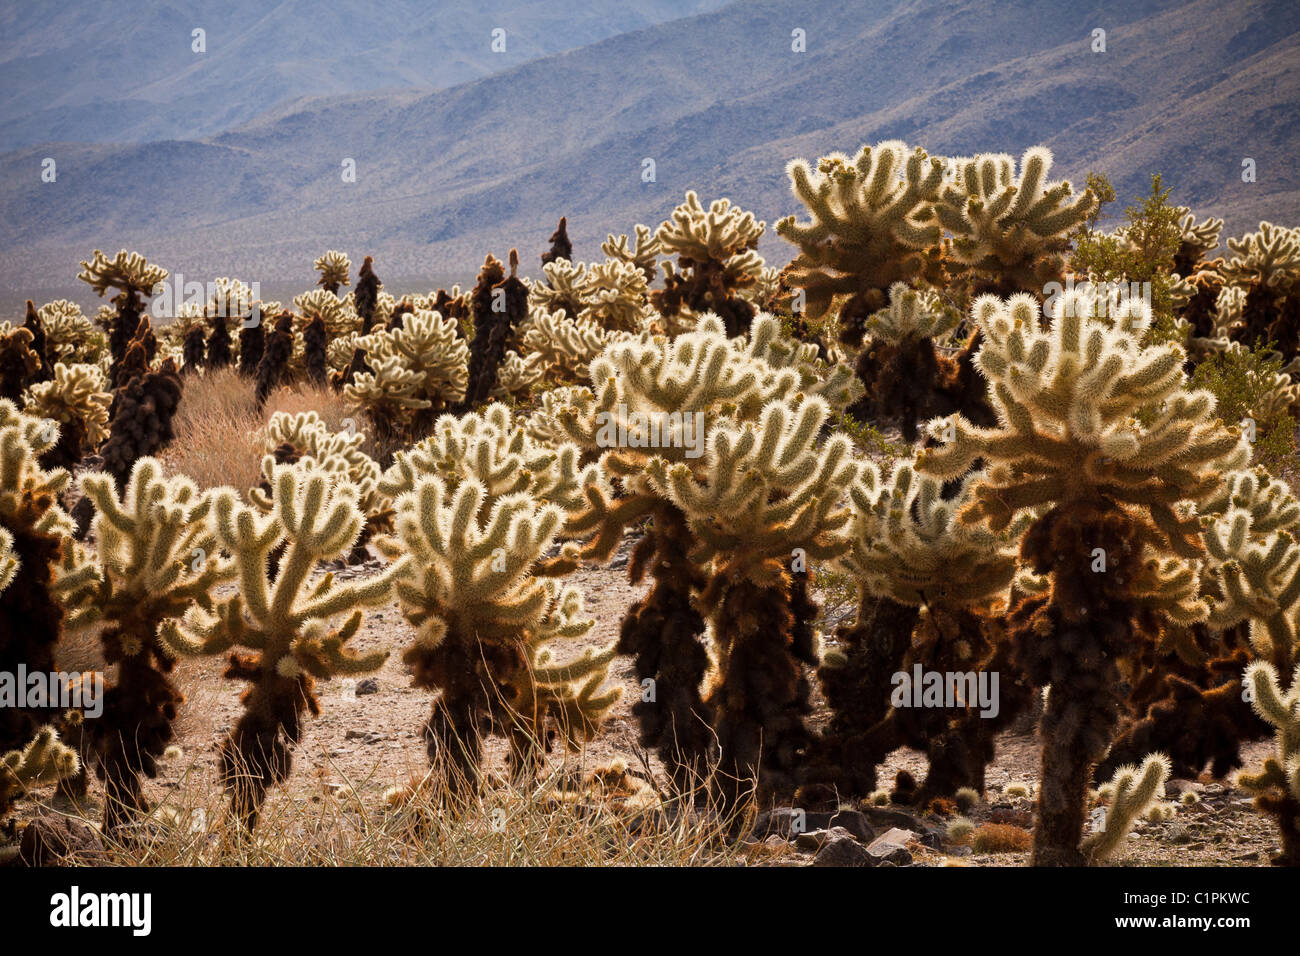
<point>843,851</point>
<point>856,824</point>
<point>815,839</point>
<point>353,735</point>
<point>1176,787</point>
<point>367,686</point>
<point>885,818</point>
<point>789,822</point>
<point>891,847</point>
<point>58,841</point>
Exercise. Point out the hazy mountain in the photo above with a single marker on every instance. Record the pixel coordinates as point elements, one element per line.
<point>720,103</point>
<point>127,71</point>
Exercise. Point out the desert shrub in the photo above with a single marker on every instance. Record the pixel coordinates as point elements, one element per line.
<point>1249,384</point>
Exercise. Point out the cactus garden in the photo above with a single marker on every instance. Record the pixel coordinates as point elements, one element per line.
<point>951,518</point>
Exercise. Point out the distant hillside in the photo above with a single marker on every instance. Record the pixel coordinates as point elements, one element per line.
<point>720,103</point>
<point>124,70</point>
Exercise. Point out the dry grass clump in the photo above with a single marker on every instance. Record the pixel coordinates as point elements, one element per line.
<point>351,824</point>
<point>218,424</point>
<point>1000,838</point>
<point>216,432</point>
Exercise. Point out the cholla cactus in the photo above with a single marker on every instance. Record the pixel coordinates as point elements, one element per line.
<point>561,247</point>
<point>912,314</point>
<point>490,448</point>
<point>141,419</point>
<point>615,296</point>
<point>1197,240</point>
<point>70,336</point>
<point>19,363</point>
<point>285,622</point>
<point>1102,435</point>
<point>45,760</point>
<point>156,558</point>
<point>500,305</point>
<point>324,305</point>
<point>612,295</point>
<point>1277,785</point>
<point>8,559</point>
<point>365,298</point>
<point>1187,690</point>
<point>1266,265</point>
<point>1269,257</point>
<point>763,501</point>
<point>42,567</point>
<point>1010,231</point>
<point>872,223</point>
<point>909,551</point>
<point>419,368</point>
<point>715,262</point>
<point>1250,536</point>
<point>662,391</point>
<point>564,346</point>
<point>904,375</point>
<point>333,268</point>
<point>643,253</point>
<point>487,614</point>
<point>75,398</point>
<point>1129,794</point>
<point>132,275</point>
<point>293,438</point>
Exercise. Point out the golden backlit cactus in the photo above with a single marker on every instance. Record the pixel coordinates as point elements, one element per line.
<point>929,587</point>
<point>872,222</point>
<point>1197,240</point>
<point>763,502</point>
<point>8,558</point>
<point>491,448</point>
<point>77,398</point>
<point>1101,436</point>
<point>44,760</point>
<point>1128,796</point>
<point>641,252</point>
<point>1269,257</point>
<point>70,336</point>
<point>337,315</point>
<point>156,557</point>
<point>134,278</point>
<point>1086,410</point>
<point>565,346</point>
<point>44,570</point>
<point>125,271</point>
<point>1250,531</point>
<point>490,620</point>
<point>420,366</point>
<point>333,267</point>
<point>285,621</point>
<point>1277,785</point>
<point>912,314</point>
<point>1010,230</point>
<point>716,264</point>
